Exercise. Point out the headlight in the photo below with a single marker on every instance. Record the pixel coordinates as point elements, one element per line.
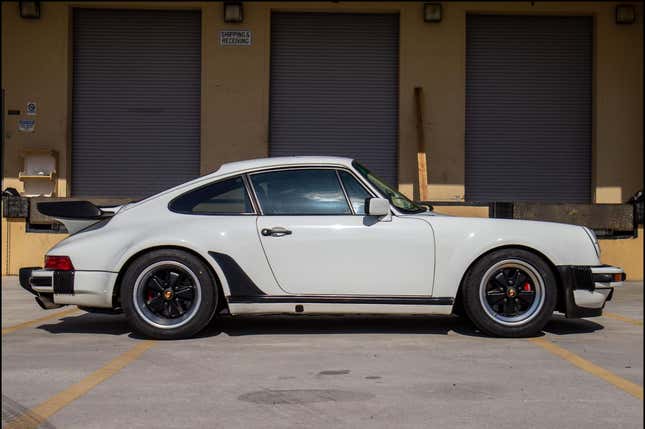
<point>594,239</point>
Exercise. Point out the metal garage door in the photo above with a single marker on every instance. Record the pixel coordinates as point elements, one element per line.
<point>136,101</point>
<point>334,87</point>
<point>528,108</point>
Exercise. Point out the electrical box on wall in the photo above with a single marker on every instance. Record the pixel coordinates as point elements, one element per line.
<point>14,207</point>
<point>39,172</point>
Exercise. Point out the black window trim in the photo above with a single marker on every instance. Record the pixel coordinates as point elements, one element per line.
<point>310,167</point>
<point>246,189</point>
<point>342,187</point>
<point>251,193</point>
<point>361,184</point>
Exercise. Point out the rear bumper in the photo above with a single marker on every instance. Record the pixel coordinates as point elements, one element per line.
<point>586,289</point>
<point>84,288</point>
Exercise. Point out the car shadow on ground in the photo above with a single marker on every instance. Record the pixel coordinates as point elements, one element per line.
<point>560,325</point>
<point>312,325</point>
<point>88,323</point>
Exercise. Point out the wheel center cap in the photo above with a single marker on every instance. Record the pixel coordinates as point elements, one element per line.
<point>168,294</point>
<point>511,292</point>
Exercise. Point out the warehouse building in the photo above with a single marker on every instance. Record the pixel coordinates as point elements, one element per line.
<point>522,101</point>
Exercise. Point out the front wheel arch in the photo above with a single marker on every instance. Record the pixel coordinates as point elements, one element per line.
<point>458,305</point>
<point>116,292</point>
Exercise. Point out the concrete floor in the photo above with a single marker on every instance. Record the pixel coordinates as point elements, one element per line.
<point>325,372</point>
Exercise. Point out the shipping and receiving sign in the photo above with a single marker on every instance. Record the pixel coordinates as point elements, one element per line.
<point>235,38</point>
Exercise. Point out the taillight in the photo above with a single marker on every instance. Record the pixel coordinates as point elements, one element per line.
<point>58,263</point>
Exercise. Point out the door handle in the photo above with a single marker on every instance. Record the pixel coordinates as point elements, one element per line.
<point>276,231</point>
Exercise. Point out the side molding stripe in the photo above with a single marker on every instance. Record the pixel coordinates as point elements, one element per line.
<point>245,291</point>
<point>239,282</point>
<point>331,299</point>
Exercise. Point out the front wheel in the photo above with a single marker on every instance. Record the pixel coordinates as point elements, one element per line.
<point>510,293</point>
<point>168,294</point>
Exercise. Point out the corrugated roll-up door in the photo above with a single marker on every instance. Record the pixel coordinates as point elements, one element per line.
<point>136,101</point>
<point>334,87</point>
<point>528,108</point>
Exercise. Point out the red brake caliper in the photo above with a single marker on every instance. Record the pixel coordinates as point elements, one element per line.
<point>526,287</point>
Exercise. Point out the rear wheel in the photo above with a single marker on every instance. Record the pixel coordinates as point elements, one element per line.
<point>510,293</point>
<point>168,294</point>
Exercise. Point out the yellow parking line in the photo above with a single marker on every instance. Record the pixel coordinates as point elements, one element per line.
<point>37,415</point>
<point>624,385</point>
<point>623,318</point>
<point>34,322</point>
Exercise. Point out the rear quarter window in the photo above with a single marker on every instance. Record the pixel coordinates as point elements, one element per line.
<point>220,198</point>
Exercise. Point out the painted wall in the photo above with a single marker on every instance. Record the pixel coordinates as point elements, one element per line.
<point>625,253</point>
<point>22,249</point>
<point>36,65</point>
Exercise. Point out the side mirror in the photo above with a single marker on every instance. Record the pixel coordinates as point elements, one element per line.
<point>377,207</point>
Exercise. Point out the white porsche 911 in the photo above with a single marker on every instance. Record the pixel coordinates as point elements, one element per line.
<point>313,235</point>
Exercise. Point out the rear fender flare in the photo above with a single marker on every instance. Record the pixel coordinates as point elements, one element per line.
<point>203,255</point>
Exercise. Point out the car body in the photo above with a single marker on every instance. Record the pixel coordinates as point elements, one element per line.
<point>315,235</point>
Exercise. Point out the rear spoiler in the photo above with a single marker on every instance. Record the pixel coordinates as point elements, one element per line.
<point>76,215</point>
<point>73,210</point>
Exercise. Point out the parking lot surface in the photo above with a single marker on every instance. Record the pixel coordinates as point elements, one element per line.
<point>69,369</point>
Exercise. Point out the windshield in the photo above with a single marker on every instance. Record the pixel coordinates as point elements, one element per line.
<point>396,198</point>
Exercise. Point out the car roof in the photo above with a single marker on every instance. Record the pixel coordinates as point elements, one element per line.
<point>260,163</point>
<point>252,165</point>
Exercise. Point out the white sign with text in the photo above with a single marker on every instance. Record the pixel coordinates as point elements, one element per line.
<point>235,37</point>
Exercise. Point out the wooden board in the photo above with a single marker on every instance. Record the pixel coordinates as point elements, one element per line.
<point>421,147</point>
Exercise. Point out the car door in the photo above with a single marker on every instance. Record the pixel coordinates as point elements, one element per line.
<point>317,243</point>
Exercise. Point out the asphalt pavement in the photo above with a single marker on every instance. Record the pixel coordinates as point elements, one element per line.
<point>69,369</point>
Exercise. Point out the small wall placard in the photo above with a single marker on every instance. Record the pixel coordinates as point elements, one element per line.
<point>235,38</point>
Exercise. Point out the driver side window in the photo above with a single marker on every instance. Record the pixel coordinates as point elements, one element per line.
<point>300,192</point>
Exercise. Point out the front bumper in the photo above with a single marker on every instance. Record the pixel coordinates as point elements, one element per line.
<point>83,288</point>
<point>585,289</point>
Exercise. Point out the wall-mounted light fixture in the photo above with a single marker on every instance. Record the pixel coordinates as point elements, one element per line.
<point>432,12</point>
<point>29,9</point>
<point>233,12</point>
<point>625,14</point>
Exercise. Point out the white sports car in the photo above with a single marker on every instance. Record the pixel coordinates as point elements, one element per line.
<point>313,235</point>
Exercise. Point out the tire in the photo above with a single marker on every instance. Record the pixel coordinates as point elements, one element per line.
<point>168,294</point>
<point>502,309</point>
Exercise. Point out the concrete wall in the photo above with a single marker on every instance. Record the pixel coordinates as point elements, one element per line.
<point>625,253</point>
<point>22,249</point>
<point>36,67</point>
<point>36,64</point>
